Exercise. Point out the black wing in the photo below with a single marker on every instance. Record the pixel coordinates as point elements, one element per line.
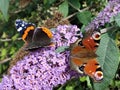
<point>39,39</point>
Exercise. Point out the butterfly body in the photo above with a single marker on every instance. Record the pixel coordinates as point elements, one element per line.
<point>83,58</point>
<point>34,37</point>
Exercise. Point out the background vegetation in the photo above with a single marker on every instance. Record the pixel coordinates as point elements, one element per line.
<point>78,12</point>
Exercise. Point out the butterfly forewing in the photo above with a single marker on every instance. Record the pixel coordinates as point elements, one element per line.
<point>28,38</point>
<point>39,39</point>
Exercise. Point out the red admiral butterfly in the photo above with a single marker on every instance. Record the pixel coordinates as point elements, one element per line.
<point>34,37</point>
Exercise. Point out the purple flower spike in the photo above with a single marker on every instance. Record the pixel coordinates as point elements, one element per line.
<point>66,34</point>
<point>44,68</point>
<point>112,9</point>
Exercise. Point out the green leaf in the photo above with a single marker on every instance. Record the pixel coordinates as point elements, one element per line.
<point>118,84</point>
<point>4,4</point>
<point>3,53</point>
<point>4,35</point>
<point>48,1</point>
<point>83,28</point>
<point>6,44</point>
<point>15,37</point>
<point>117,19</point>
<point>109,59</point>
<point>75,3</point>
<point>84,17</point>
<point>112,19</point>
<point>83,79</point>
<point>63,8</point>
<point>69,88</point>
<point>12,51</point>
<point>88,82</point>
<point>61,49</point>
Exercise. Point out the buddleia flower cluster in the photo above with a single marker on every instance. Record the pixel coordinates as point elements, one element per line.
<point>112,9</point>
<point>44,68</point>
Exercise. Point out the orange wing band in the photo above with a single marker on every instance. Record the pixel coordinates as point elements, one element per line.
<point>48,32</point>
<point>27,31</point>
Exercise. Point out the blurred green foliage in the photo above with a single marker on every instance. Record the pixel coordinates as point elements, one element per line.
<point>78,12</point>
<point>4,4</point>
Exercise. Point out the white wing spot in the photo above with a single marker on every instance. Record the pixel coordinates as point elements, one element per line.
<point>23,25</point>
<point>16,24</point>
<point>19,29</point>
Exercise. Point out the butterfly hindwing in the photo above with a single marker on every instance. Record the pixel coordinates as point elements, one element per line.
<point>94,70</point>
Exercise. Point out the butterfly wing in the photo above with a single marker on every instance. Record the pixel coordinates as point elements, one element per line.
<point>84,60</point>
<point>40,38</point>
<point>94,70</point>
<point>25,29</point>
<point>28,34</point>
<point>91,39</point>
<point>80,56</point>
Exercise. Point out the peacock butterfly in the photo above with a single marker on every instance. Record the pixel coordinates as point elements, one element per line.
<point>83,58</point>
